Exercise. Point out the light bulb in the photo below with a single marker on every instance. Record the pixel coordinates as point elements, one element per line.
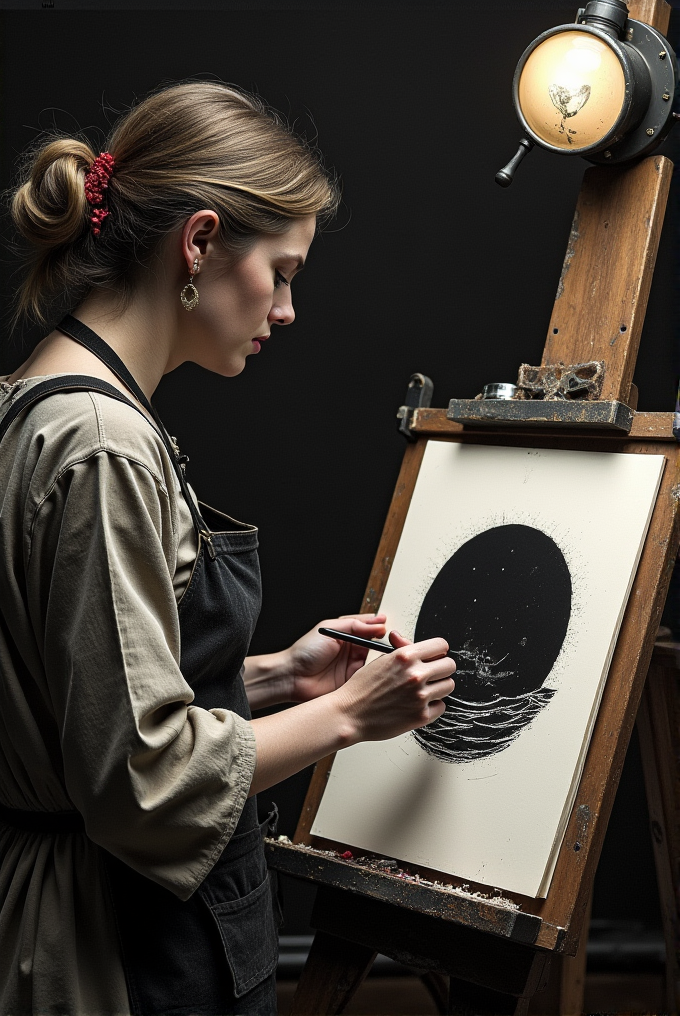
<point>601,88</point>
<point>571,90</point>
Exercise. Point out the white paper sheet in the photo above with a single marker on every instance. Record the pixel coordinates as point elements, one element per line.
<point>499,820</point>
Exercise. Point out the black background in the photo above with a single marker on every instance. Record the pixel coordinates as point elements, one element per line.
<point>431,267</point>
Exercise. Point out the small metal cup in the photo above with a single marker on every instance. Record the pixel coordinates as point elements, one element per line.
<point>501,390</point>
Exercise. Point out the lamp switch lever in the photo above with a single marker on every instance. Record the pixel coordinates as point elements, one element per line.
<point>506,175</point>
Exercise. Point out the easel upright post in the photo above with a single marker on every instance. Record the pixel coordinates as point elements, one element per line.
<point>658,724</point>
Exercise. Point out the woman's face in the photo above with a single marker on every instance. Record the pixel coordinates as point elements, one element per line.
<point>239,302</point>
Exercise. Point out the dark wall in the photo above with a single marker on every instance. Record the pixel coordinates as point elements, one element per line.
<point>431,267</point>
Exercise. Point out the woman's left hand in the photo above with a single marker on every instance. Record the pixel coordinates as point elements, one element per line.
<point>319,664</point>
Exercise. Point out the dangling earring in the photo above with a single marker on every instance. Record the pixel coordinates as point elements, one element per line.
<point>189,295</point>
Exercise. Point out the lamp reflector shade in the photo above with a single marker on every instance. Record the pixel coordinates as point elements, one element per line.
<point>571,90</point>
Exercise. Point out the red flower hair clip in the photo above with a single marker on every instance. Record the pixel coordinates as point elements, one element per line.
<point>96,183</point>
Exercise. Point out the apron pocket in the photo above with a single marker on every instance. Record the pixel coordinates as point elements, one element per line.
<point>249,936</point>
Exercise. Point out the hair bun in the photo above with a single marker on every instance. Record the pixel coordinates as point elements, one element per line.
<point>50,208</point>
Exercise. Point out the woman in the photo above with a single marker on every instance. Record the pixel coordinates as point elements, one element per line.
<point>132,873</point>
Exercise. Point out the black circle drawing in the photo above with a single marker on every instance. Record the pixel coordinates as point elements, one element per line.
<point>503,603</point>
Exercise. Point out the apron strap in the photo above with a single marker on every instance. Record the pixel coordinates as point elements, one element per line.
<point>86,337</point>
<point>68,382</point>
<point>83,382</point>
<point>80,333</point>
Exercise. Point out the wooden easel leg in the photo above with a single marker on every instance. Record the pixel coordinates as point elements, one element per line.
<point>658,722</point>
<point>565,989</point>
<point>437,986</point>
<point>334,970</point>
<point>573,973</point>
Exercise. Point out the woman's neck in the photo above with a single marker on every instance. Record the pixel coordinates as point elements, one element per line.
<point>142,334</point>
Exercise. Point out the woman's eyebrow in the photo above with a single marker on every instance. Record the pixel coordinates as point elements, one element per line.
<point>299,261</point>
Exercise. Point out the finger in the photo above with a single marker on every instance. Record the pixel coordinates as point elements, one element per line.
<point>434,710</point>
<point>432,649</point>
<point>356,626</point>
<point>371,628</point>
<point>439,689</point>
<point>367,618</point>
<point>437,670</point>
<point>398,640</point>
<point>363,629</point>
<point>356,653</point>
<point>342,648</point>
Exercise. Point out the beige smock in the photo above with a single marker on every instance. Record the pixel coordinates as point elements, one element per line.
<point>96,546</point>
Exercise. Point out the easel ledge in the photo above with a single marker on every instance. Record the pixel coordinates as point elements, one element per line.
<point>315,865</point>
<point>646,427</point>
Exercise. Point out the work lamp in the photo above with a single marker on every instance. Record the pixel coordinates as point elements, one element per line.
<point>601,88</point>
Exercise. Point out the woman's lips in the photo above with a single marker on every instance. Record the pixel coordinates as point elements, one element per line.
<point>257,342</point>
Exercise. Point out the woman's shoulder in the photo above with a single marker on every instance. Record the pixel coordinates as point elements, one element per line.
<point>70,426</point>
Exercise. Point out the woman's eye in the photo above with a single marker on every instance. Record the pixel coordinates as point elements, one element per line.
<point>280,280</point>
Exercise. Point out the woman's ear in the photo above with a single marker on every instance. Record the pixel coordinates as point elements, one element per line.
<point>202,227</point>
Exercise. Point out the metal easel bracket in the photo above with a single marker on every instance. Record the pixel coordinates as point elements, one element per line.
<point>418,396</point>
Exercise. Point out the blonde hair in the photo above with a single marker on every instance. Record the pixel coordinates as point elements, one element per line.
<point>186,147</point>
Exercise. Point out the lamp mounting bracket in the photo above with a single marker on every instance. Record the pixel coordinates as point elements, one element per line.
<point>609,16</point>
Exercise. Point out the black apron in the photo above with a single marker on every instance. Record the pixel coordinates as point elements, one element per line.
<point>215,953</point>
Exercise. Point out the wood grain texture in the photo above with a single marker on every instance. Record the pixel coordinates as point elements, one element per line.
<point>563,994</point>
<point>382,564</point>
<point>573,972</point>
<point>607,273</point>
<point>656,13</point>
<point>658,723</point>
<point>317,785</point>
<point>394,525</point>
<point>646,426</point>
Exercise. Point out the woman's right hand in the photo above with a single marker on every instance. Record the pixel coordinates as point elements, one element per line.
<point>399,691</point>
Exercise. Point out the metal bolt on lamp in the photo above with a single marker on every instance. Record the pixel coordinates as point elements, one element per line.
<point>601,88</point>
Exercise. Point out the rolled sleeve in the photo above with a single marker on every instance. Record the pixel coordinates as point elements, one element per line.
<point>159,782</point>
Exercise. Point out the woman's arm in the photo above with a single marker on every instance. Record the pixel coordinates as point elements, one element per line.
<point>398,692</point>
<point>312,666</point>
<point>268,679</point>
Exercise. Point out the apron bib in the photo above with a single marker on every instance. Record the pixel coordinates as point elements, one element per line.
<point>215,953</point>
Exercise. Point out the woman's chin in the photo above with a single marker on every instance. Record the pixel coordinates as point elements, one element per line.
<point>226,368</point>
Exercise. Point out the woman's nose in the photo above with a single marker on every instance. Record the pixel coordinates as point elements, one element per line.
<point>282,313</point>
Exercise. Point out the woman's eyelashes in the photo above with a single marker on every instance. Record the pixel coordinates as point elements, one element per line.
<point>280,280</point>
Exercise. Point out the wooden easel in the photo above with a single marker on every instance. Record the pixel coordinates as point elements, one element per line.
<point>497,958</point>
